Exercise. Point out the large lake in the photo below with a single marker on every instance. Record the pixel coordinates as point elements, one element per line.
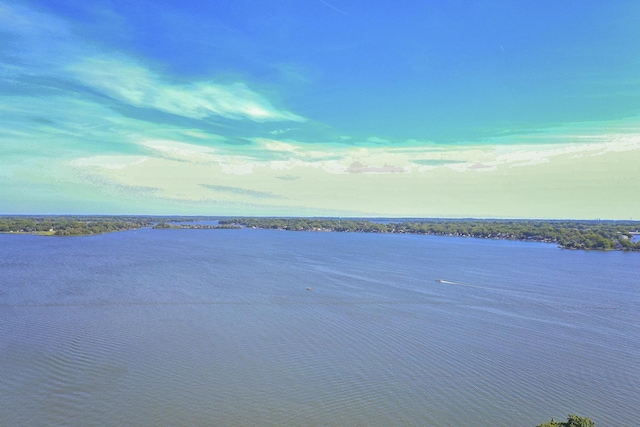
<point>217,327</point>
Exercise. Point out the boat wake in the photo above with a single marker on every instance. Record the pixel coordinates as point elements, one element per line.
<point>447,282</point>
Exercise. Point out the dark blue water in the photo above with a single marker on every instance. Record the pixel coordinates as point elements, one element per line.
<point>218,327</point>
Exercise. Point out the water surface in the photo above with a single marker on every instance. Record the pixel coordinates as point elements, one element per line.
<point>218,327</point>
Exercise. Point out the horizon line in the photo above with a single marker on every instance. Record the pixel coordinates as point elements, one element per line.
<point>315,217</point>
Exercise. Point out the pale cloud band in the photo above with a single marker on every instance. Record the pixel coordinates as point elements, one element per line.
<point>516,181</point>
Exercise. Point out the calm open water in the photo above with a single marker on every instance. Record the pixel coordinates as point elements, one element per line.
<point>217,327</point>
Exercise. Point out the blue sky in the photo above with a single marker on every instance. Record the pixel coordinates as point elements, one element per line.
<point>314,107</point>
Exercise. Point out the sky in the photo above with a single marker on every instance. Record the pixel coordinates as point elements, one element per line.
<point>486,109</point>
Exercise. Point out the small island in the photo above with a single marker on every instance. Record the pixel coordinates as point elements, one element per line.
<point>604,235</point>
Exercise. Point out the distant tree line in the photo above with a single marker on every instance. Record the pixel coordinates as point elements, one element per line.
<point>597,235</point>
<point>72,225</point>
<point>76,225</point>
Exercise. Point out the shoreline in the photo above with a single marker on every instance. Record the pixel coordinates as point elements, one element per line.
<point>567,234</point>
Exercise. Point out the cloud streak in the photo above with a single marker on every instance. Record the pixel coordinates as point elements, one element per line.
<point>134,84</point>
<point>334,8</point>
<point>44,47</point>
<point>240,191</point>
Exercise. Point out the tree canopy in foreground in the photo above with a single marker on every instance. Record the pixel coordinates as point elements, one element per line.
<point>572,421</point>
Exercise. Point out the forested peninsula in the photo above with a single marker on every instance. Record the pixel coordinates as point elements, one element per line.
<point>87,225</point>
<point>568,234</point>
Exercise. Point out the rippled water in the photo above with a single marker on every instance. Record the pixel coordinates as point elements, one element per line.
<point>217,327</point>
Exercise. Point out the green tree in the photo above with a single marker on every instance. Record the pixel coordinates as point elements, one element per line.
<point>572,421</point>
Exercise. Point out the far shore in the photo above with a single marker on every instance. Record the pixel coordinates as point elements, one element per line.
<point>567,234</point>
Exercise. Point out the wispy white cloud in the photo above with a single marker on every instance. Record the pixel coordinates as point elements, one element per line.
<point>24,21</point>
<point>201,135</point>
<point>45,46</point>
<point>242,192</point>
<point>280,131</point>
<point>196,154</point>
<point>377,140</point>
<point>179,150</point>
<point>334,8</point>
<point>357,167</point>
<point>275,145</point>
<point>39,43</point>
<point>128,81</point>
<point>333,159</point>
<point>491,157</point>
<point>108,162</point>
